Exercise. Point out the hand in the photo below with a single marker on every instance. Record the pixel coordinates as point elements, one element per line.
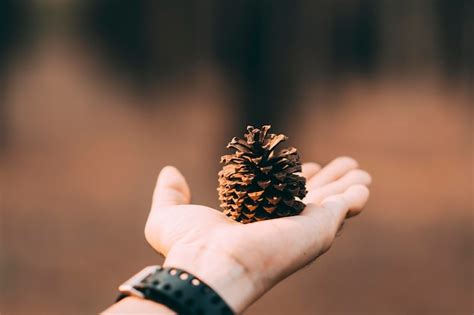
<point>243,261</point>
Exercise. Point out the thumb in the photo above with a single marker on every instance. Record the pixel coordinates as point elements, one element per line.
<point>171,189</point>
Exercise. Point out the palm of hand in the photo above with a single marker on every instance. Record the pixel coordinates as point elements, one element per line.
<point>275,247</point>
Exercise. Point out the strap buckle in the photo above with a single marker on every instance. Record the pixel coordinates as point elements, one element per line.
<point>128,287</point>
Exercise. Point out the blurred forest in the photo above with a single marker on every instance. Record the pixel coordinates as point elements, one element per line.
<point>97,96</point>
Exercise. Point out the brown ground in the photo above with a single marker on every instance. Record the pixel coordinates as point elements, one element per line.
<point>79,170</point>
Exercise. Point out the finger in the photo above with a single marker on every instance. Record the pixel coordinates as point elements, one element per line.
<point>171,189</point>
<point>339,186</point>
<point>309,170</point>
<point>333,210</point>
<point>347,204</point>
<point>332,171</point>
<point>357,197</point>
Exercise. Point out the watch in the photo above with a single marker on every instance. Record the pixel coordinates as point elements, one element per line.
<point>177,289</point>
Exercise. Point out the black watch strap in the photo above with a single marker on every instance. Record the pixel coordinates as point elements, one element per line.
<point>182,292</point>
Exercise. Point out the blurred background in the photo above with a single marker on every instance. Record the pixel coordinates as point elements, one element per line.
<point>97,96</point>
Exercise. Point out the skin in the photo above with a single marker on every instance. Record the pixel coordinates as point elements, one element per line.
<point>243,261</point>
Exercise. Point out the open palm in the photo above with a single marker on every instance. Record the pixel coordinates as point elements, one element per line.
<point>272,249</point>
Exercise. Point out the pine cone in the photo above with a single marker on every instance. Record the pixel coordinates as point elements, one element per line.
<point>259,182</point>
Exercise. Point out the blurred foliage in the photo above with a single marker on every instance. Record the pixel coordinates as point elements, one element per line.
<point>265,49</point>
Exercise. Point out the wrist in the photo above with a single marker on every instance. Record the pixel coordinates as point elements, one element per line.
<point>134,305</point>
<point>222,272</point>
